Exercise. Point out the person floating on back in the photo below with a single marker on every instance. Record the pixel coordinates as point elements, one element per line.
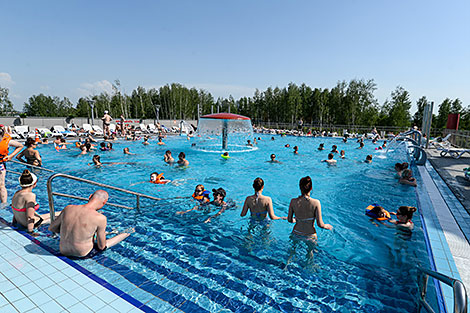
<point>79,225</point>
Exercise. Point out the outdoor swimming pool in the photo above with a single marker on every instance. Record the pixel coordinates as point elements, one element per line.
<point>232,263</point>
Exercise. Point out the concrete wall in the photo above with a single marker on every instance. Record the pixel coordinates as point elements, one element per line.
<point>48,122</point>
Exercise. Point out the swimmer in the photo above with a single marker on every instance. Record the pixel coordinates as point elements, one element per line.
<point>126,151</point>
<point>304,211</point>
<point>225,155</point>
<point>321,147</point>
<point>334,149</point>
<point>156,178</point>
<point>272,139</point>
<point>109,146</point>
<point>103,146</point>
<point>219,196</point>
<point>378,211</point>
<point>83,150</point>
<point>407,178</point>
<point>182,159</point>
<point>57,139</point>
<point>287,146</point>
<point>146,141</point>
<point>260,206</point>
<point>400,167</point>
<point>201,194</point>
<point>31,156</point>
<point>168,158</point>
<point>273,159</point>
<point>259,138</point>
<point>404,215</point>
<point>249,143</point>
<point>160,141</point>
<point>24,204</point>
<point>345,139</point>
<point>361,145</point>
<point>45,141</point>
<point>296,150</point>
<point>368,158</point>
<point>374,141</point>
<point>342,154</point>
<point>96,161</point>
<point>330,160</point>
<point>384,145</point>
<point>254,141</point>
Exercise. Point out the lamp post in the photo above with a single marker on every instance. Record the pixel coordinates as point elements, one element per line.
<point>158,112</point>
<point>92,105</point>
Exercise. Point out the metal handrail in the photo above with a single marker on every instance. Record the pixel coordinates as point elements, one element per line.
<point>460,293</point>
<point>34,166</point>
<point>51,193</point>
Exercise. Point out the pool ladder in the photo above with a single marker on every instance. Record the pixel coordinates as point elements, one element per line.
<point>51,193</point>
<point>460,293</point>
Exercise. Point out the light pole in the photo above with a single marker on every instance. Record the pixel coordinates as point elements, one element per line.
<point>92,105</point>
<point>158,112</point>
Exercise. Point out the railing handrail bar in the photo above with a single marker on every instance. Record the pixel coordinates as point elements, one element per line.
<point>34,166</point>
<point>460,292</point>
<point>85,199</point>
<point>100,185</point>
<point>50,193</point>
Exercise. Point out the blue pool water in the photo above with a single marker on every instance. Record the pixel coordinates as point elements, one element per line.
<point>233,263</point>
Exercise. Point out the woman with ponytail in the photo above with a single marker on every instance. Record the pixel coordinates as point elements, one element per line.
<point>260,206</point>
<point>5,143</point>
<point>24,204</point>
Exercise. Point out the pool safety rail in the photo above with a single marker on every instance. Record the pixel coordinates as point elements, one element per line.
<point>33,166</point>
<point>417,150</point>
<point>51,193</point>
<point>460,293</point>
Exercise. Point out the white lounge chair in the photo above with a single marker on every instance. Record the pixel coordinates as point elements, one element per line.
<point>98,130</point>
<point>152,129</point>
<point>62,130</point>
<point>455,153</point>
<point>441,143</point>
<point>143,128</point>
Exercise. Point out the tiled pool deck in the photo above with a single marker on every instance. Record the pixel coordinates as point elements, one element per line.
<point>448,241</point>
<point>32,279</point>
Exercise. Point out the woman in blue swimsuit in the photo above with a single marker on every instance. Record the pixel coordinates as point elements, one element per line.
<point>306,211</point>
<point>260,206</point>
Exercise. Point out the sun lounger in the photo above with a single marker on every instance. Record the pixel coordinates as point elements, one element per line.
<point>22,131</point>
<point>143,128</point>
<point>98,130</point>
<point>152,129</point>
<point>63,131</point>
<point>441,143</point>
<point>455,153</point>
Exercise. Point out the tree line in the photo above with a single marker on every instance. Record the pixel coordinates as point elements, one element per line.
<point>347,103</point>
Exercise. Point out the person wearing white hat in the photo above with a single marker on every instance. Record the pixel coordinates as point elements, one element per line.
<point>24,204</point>
<point>106,122</point>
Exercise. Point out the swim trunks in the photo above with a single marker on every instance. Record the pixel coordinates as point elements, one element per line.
<point>94,251</point>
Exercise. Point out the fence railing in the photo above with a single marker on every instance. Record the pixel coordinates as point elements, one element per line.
<point>459,138</point>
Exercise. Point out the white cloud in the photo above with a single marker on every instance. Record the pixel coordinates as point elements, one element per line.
<point>87,89</point>
<point>45,88</point>
<point>5,80</point>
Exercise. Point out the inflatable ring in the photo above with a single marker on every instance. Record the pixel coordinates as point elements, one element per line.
<point>226,157</point>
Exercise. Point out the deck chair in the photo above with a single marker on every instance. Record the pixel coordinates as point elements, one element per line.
<point>22,131</point>
<point>98,130</point>
<point>152,129</point>
<point>455,153</point>
<point>143,128</point>
<point>441,143</point>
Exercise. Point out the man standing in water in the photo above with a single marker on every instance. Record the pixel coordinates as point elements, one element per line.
<point>78,225</point>
<point>106,122</point>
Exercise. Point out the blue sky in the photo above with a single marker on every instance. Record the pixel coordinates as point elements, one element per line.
<point>76,48</point>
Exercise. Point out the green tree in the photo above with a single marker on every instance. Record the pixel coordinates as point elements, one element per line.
<point>443,113</point>
<point>398,108</point>
<point>6,106</point>
<point>418,117</point>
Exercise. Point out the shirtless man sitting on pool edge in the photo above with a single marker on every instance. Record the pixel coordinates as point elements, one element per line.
<point>78,225</point>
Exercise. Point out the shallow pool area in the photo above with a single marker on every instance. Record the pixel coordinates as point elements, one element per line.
<point>237,264</point>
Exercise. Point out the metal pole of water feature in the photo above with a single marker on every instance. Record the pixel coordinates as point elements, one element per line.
<point>92,105</point>
<point>212,109</point>
<point>224,134</point>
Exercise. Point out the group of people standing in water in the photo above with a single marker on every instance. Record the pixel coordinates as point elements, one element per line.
<point>304,211</point>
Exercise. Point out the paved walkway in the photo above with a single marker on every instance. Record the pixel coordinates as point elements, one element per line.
<point>34,280</point>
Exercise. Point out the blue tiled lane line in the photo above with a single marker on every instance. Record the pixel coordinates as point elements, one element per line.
<point>442,227</point>
<point>84,271</point>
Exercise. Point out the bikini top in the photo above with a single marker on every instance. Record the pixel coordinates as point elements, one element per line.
<point>36,207</point>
